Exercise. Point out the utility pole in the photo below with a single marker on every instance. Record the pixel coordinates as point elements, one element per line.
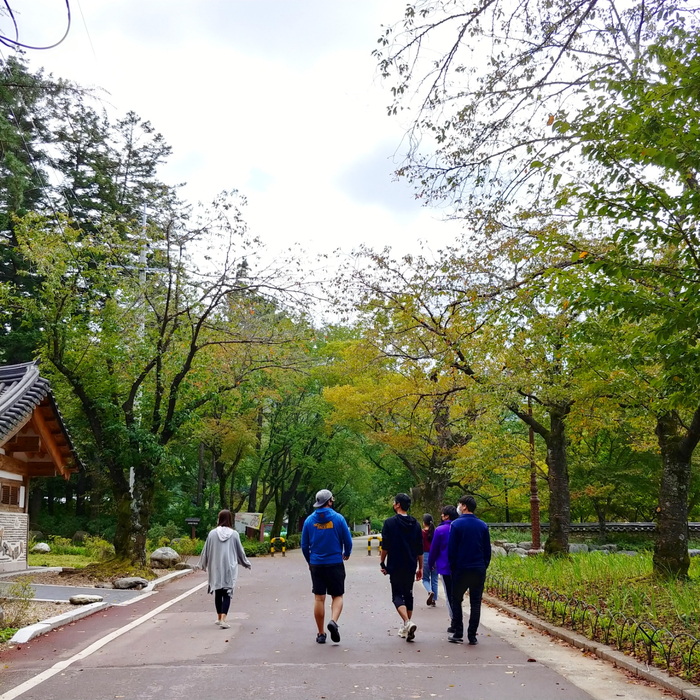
<point>534,495</point>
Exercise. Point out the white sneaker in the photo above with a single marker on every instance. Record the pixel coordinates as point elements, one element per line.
<point>217,623</point>
<point>411,628</point>
<point>402,631</point>
<point>224,625</point>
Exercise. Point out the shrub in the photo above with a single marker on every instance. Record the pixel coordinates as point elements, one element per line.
<point>16,604</point>
<point>97,548</point>
<point>171,530</point>
<point>188,547</point>
<point>62,545</point>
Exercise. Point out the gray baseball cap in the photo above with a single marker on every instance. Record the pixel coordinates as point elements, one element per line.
<point>322,497</point>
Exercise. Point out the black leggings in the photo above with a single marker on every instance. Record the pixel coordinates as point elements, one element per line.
<point>222,600</point>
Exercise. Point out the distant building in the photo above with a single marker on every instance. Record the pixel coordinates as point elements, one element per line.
<point>34,442</point>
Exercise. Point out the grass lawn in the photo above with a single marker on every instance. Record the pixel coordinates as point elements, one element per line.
<point>611,598</point>
<point>76,561</point>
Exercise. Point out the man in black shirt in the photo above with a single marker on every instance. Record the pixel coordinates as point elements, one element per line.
<point>402,559</point>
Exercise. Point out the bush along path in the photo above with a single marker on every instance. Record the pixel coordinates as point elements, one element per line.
<point>612,600</point>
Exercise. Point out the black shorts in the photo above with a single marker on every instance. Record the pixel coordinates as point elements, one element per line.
<point>328,578</point>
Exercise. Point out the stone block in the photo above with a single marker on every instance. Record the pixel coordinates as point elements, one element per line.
<point>576,548</point>
<point>497,551</point>
<point>130,582</point>
<point>83,599</point>
<point>41,548</point>
<point>517,552</point>
<point>80,536</point>
<point>609,547</point>
<point>525,545</point>
<point>164,558</point>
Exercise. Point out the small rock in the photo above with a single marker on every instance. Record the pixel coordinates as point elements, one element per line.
<point>35,535</point>
<point>594,548</point>
<point>516,551</point>
<point>509,545</point>
<point>130,582</point>
<point>498,543</point>
<point>497,551</point>
<point>577,548</point>
<point>601,552</point>
<point>164,558</point>
<point>80,536</point>
<point>83,599</point>
<point>525,545</point>
<point>694,552</point>
<point>41,548</point>
<point>629,553</point>
<point>181,566</point>
<point>609,547</point>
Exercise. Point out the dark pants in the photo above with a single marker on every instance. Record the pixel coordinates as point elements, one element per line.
<point>473,581</point>
<point>447,584</point>
<point>222,600</point>
<point>402,588</point>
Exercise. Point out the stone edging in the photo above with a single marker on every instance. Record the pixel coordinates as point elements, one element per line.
<point>26,634</point>
<point>685,689</point>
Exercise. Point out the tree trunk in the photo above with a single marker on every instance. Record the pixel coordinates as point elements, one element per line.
<point>671,557</point>
<point>80,492</point>
<point>429,497</point>
<point>49,497</point>
<point>559,497</point>
<point>283,502</point>
<point>200,475</point>
<point>35,501</point>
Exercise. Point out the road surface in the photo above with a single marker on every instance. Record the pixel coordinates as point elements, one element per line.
<point>167,646</point>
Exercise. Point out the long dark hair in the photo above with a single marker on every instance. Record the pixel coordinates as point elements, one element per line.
<point>225,519</point>
<point>428,520</point>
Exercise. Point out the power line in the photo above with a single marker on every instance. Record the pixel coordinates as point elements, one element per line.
<point>15,43</point>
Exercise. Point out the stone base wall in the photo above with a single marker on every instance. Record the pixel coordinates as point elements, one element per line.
<point>13,541</point>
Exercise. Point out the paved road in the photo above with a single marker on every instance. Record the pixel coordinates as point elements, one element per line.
<point>270,650</point>
<point>63,593</point>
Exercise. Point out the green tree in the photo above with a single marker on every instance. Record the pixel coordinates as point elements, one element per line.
<point>130,346</point>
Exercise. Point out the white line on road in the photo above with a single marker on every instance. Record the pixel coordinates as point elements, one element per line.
<point>62,665</point>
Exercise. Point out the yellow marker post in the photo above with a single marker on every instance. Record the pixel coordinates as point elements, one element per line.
<point>369,544</point>
<point>272,546</point>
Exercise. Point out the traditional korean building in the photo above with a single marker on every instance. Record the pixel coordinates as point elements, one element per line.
<point>34,442</point>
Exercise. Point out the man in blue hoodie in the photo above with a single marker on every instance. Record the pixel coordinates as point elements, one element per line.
<point>326,542</point>
<point>469,555</point>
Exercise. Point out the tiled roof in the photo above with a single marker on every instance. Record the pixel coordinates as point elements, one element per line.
<point>22,389</point>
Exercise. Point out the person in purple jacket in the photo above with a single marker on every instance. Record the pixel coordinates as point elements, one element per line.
<point>438,555</point>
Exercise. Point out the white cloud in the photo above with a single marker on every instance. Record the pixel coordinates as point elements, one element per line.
<point>276,98</point>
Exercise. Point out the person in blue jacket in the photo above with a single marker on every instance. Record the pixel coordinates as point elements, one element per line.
<point>469,555</point>
<point>326,543</point>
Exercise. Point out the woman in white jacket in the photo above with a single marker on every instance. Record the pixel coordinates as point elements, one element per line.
<point>220,558</point>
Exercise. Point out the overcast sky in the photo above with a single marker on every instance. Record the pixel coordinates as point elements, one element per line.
<point>276,98</point>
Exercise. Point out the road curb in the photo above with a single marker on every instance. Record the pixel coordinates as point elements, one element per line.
<point>26,634</point>
<point>602,651</point>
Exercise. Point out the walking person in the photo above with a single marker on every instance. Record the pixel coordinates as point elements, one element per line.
<point>402,560</point>
<point>437,558</point>
<point>220,557</point>
<point>430,575</point>
<point>326,543</point>
<point>469,555</point>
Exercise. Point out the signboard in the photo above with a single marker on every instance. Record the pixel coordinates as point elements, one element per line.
<point>244,520</point>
